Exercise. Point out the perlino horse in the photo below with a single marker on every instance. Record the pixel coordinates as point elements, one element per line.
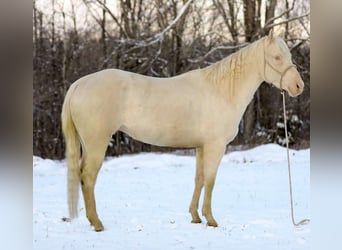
<point>199,109</point>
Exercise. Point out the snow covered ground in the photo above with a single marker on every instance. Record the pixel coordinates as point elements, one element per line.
<point>143,202</point>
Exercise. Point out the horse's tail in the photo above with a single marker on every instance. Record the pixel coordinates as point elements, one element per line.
<point>73,153</point>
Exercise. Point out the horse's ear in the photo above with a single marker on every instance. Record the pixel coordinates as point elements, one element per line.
<point>270,34</point>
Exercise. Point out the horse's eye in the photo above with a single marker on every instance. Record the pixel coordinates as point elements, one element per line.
<point>277,58</point>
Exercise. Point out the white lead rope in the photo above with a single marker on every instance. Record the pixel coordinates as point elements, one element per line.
<point>305,221</point>
<point>282,74</point>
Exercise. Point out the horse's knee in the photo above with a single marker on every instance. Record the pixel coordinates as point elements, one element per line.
<point>199,179</point>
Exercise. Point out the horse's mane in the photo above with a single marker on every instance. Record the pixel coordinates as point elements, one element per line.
<point>226,74</point>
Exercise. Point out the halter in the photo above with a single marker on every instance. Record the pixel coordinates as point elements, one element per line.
<point>282,74</point>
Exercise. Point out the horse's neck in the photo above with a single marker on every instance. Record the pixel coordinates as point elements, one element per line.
<point>251,77</point>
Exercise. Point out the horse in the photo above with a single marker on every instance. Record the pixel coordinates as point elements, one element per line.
<point>198,109</point>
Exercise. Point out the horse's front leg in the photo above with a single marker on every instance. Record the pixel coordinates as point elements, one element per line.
<point>198,187</point>
<point>212,155</point>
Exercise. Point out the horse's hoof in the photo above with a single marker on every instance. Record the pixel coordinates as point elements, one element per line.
<point>196,221</point>
<point>212,224</point>
<point>98,227</point>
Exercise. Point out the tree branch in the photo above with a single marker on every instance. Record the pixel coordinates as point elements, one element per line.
<point>160,36</point>
<point>104,6</point>
<point>269,21</point>
<point>286,21</point>
<point>181,12</point>
<point>300,41</point>
<point>217,48</point>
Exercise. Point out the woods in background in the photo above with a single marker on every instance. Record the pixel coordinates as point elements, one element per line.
<point>73,38</point>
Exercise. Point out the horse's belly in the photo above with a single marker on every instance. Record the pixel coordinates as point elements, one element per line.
<point>169,135</point>
<point>166,117</point>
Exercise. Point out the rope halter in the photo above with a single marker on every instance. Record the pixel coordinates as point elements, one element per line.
<point>282,74</point>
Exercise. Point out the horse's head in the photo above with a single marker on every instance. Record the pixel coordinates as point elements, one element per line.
<point>278,67</point>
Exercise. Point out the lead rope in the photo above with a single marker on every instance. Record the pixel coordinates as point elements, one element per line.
<point>305,221</point>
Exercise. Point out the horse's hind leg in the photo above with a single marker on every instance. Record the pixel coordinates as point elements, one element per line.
<point>198,187</point>
<point>91,164</point>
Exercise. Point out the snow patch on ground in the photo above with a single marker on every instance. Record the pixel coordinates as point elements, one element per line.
<point>143,202</point>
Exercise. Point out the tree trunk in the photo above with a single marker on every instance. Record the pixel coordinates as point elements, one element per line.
<point>249,8</point>
<point>269,13</point>
<point>251,26</point>
<point>103,36</point>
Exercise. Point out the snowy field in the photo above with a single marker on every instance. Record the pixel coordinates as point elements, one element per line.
<point>143,203</point>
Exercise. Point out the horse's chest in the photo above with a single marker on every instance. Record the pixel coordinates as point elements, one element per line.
<point>223,125</point>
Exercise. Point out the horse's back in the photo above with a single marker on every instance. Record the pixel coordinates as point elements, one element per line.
<point>112,94</point>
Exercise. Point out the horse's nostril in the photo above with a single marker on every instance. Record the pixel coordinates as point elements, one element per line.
<point>298,87</point>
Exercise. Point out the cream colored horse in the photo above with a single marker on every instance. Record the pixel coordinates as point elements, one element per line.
<point>199,109</point>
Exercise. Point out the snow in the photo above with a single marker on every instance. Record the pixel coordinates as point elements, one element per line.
<point>143,202</point>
